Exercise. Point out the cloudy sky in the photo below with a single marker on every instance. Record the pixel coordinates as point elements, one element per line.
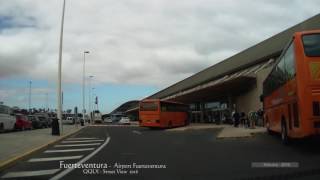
<point>137,47</point>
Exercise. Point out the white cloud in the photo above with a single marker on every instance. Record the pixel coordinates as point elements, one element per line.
<point>135,41</point>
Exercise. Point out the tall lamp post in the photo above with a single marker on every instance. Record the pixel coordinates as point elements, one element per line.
<point>59,109</point>
<point>30,84</point>
<point>93,110</point>
<point>90,101</point>
<point>84,84</point>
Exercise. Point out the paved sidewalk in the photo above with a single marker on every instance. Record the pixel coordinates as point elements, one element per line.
<point>239,132</point>
<point>132,123</point>
<point>228,131</point>
<point>17,144</point>
<point>198,127</point>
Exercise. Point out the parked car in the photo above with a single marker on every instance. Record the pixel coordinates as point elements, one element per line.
<point>22,122</point>
<point>45,117</point>
<point>45,121</point>
<point>37,122</point>
<point>7,118</point>
<point>115,117</point>
<point>107,120</point>
<point>69,120</point>
<point>124,120</point>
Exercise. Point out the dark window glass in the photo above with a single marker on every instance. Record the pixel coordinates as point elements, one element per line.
<point>289,115</point>
<point>316,108</point>
<point>295,115</point>
<point>276,78</point>
<point>148,106</point>
<point>280,73</point>
<point>171,107</point>
<point>42,118</point>
<point>311,44</point>
<point>283,71</point>
<point>290,63</point>
<point>4,109</point>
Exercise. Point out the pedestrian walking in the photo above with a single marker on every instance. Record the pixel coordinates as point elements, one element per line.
<point>236,117</point>
<point>243,119</point>
<point>260,117</point>
<point>253,117</point>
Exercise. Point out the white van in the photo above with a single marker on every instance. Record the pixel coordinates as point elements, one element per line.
<point>97,117</point>
<point>7,118</point>
<point>69,120</point>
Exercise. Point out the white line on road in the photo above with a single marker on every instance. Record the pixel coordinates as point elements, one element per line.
<point>137,132</point>
<point>98,140</point>
<point>29,173</point>
<point>66,171</point>
<point>72,145</point>
<point>68,150</point>
<point>80,138</point>
<point>54,158</point>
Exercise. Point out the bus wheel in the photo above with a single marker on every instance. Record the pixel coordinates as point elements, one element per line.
<point>284,133</point>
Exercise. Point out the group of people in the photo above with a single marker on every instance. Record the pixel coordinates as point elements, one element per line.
<point>248,121</point>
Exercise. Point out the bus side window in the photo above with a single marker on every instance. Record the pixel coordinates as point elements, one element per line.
<point>279,74</point>
<point>290,70</point>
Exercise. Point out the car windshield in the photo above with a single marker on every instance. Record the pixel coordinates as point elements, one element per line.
<point>42,118</point>
<point>3,109</point>
<point>31,118</point>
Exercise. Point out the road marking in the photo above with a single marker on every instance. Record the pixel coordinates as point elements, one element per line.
<point>68,150</point>
<point>30,173</point>
<point>66,171</point>
<point>55,158</point>
<point>98,140</point>
<point>80,138</point>
<point>137,132</point>
<point>72,145</point>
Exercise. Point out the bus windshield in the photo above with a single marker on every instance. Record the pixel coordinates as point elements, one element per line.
<point>311,45</point>
<point>148,106</point>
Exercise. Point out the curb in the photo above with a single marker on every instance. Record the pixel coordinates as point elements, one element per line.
<point>235,137</point>
<point>178,129</point>
<point>13,160</point>
<point>114,125</point>
<point>250,135</point>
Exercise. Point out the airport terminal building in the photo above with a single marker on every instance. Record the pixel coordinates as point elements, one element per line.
<point>234,84</point>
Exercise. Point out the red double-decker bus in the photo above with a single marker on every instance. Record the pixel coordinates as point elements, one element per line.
<point>291,92</point>
<point>162,114</point>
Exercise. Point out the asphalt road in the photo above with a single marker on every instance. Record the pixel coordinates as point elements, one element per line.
<point>140,153</point>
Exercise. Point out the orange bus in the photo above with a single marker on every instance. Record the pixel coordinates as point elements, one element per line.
<point>162,114</point>
<point>291,92</point>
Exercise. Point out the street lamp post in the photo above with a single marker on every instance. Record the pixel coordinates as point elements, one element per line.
<point>93,110</point>
<point>90,101</point>
<point>59,108</point>
<point>84,84</point>
<point>30,84</point>
<point>47,102</point>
